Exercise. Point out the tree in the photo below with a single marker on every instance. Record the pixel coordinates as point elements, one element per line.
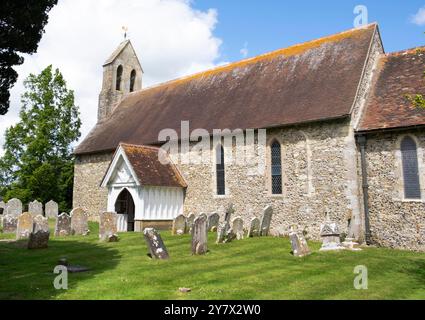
<point>21,27</point>
<point>38,161</point>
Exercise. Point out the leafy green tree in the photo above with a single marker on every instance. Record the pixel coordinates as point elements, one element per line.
<point>38,161</point>
<point>21,27</point>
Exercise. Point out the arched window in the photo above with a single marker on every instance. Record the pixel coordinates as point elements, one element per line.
<point>276,167</point>
<point>220,171</point>
<point>132,80</point>
<point>119,78</point>
<point>409,155</point>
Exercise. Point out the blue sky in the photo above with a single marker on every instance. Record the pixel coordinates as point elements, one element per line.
<point>271,24</point>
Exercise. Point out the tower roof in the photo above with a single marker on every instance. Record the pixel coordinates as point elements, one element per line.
<point>118,51</point>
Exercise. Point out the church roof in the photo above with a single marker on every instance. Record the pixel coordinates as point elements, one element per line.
<point>147,168</point>
<point>313,81</point>
<point>399,74</point>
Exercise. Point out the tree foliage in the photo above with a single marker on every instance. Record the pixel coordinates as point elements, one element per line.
<point>38,161</point>
<point>21,27</point>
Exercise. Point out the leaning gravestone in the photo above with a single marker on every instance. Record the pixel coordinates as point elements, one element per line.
<point>155,244</point>
<point>228,212</point>
<point>10,223</point>
<point>237,228</point>
<point>24,226</point>
<point>179,225</point>
<point>14,207</point>
<point>108,227</point>
<point>254,228</point>
<point>213,221</point>
<point>52,210</point>
<point>225,233</point>
<point>35,208</point>
<point>39,237</point>
<point>266,220</point>
<point>200,235</point>
<point>63,226</point>
<point>190,220</point>
<point>299,244</point>
<point>79,222</point>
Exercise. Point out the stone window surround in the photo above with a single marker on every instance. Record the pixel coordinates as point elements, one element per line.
<point>214,172</point>
<point>270,140</point>
<point>399,169</point>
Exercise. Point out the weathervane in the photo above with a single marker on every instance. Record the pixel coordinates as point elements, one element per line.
<point>125,29</point>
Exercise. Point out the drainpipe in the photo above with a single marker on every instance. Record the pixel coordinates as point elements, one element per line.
<point>361,140</point>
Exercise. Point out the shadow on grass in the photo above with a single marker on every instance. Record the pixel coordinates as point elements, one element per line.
<point>28,274</point>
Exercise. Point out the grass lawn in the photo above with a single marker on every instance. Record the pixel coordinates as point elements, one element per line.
<point>259,268</point>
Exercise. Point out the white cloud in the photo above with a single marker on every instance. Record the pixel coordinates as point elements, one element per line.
<point>419,17</point>
<point>244,51</point>
<point>171,39</point>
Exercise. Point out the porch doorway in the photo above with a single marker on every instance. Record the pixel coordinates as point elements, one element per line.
<point>124,206</point>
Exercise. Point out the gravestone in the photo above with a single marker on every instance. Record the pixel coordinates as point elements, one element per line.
<point>24,226</point>
<point>200,235</point>
<point>225,233</point>
<point>52,210</point>
<point>14,207</point>
<point>190,220</point>
<point>39,237</point>
<point>179,225</point>
<point>155,244</point>
<point>79,222</point>
<point>213,221</point>
<point>254,228</point>
<point>35,208</point>
<point>63,226</point>
<point>2,207</point>
<point>228,212</point>
<point>237,228</point>
<point>10,223</point>
<point>266,220</point>
<point>299,244</point>
<point>108,227</point>
<point>329,232</point>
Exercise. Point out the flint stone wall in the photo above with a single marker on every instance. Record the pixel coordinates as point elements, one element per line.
<point>395,222</point>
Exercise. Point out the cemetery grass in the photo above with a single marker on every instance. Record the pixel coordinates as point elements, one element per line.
<point>259,268</point>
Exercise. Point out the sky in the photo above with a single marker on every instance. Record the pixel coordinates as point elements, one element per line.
<point>174,38</point>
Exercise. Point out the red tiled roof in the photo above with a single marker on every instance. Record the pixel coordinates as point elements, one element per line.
<point>399,74</point>
<point>309,82</point>
<point>149,170</point>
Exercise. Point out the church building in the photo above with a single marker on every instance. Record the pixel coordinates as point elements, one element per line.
<point>331,121</point>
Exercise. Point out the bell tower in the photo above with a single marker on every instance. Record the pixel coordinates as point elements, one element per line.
<point>122,74</point>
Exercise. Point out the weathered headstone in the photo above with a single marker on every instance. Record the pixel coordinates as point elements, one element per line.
<point>190,220</point>
<point>237,228</point>
<point>10,223</point>
<point>299,244</point>
<point>14,207</point>
<point>228,212</point>
<point>51,210</point>
<point>266,220</point>
<point>330,234</point>
<point>79,222</point>
<point>254,228</point>
<point>155,244</point>
<point>108,227</point>
<point>179,225</point>
<point>39,237</point>
<point>225,233</point>
<point>213,221</point>
<point>35,208</point>
<point>63,226</point>
<point>200,235</point>
<point>24,226</point>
